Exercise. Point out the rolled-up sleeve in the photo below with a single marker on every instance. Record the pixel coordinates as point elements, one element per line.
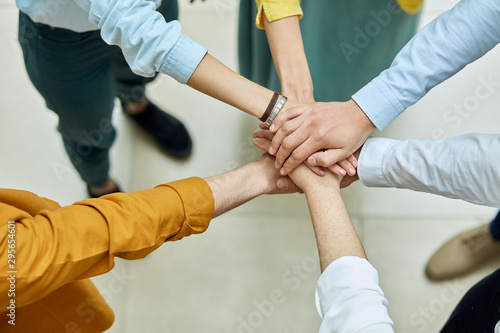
<point>276,9</point>
<point>55,247</point>
<point>148,42</point>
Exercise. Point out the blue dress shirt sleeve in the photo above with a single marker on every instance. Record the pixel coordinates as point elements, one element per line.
<point>148,42</point>
<point>441,49</point>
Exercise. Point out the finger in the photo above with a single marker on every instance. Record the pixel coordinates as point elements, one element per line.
<point>327,157</point>
<point>316,169</point>
<point>289,144</point>
<point>260,143</point>
<point>347,167</point>
<point>263,134</point>
<point>352,159</point>
<point>285,131</point>
<point>262,126</point>
<point>299,155</point>
<point>338,170</point>
<point>285,116</point>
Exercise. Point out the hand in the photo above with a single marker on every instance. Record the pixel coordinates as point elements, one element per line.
<point>262,140</point>
<point>302,132</point>
<point>308,181</point>
<point>349,179</point>
<point>273,182</point>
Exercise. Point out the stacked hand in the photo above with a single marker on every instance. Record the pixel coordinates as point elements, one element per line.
<point>323,134</point>
<point>262,140</point>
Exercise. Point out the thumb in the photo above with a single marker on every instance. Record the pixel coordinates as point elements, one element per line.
<point>327,158</point>
<point>287,185</point>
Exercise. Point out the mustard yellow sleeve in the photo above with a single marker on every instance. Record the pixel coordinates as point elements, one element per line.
<point>58,246</point>
<point>411,6</point>
<point>276,9</point>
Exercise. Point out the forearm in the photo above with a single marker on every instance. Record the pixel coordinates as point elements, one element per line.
<point>335,234</point>
<point>441,49</point>
<point>287,49</point>
<point>349,298</point>
<point>152,45</point>
<point>234,188</point>
<point>213,78</point>
<point>465,167</point>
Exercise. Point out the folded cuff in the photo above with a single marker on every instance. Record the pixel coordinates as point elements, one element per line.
<point>371,162</point>
<point>198,202</point>
<point>378,103</point>
<point>181,61</point>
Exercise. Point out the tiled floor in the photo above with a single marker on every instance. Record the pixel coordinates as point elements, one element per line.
<point>221,281</point>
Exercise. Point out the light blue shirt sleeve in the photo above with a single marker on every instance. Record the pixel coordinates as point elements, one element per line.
<point>441,49</point>
<point>465,167</point>
<point>148,42</point>
<point>349,298</point>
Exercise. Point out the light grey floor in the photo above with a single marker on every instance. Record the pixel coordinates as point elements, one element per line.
<point>222,281</point>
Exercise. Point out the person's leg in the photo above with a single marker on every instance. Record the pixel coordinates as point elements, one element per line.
<point>72,71</point>
<point>479,309</point>
<point>465,252</point>
<point>169,132</point>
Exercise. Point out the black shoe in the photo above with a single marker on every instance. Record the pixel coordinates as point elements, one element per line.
<point>92,195</point>
<point>168,131</point>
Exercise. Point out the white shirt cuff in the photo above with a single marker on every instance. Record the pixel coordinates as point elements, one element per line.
<point>371,169</point>
<point>349,298</point>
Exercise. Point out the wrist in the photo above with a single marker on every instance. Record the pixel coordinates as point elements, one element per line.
<point>365,122</point>
<point>290,104</point>
<point>256,179</point>
<point>317,186</point>
<point>301,93</point>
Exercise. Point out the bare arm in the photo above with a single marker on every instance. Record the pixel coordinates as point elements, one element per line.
<point>348,296</point>
<point>285,42</point>
<point>213,78</point>
<point>236,187</point>
<point>126,225</point>
<point>335,234</point>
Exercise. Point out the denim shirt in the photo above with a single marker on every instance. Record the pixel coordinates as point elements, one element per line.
<point>441,49</point>
<point>148,42</point>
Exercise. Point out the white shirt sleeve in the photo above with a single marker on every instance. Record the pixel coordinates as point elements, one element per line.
<point>441,49</point>
<point>466,167</point>
<point>349,299</point>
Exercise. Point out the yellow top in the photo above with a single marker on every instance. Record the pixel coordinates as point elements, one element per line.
<point>57,249</point>
<point>411,6</point>
<point>278,9</point>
